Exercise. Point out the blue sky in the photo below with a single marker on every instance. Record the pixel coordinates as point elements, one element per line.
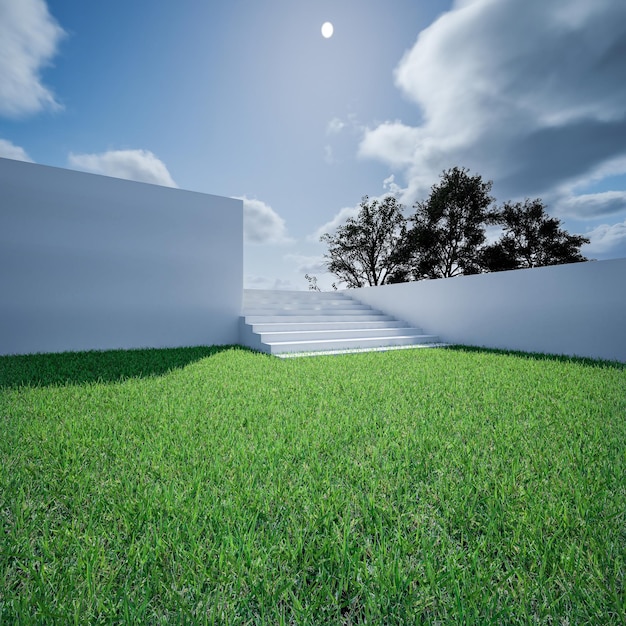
<point>247,99</point>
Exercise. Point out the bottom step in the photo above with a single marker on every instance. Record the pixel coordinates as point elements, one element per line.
<point>288,355</point>
<point>319,345</point>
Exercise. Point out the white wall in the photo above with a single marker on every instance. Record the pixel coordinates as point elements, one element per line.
<point>92,262</point>
<point>575,309</point>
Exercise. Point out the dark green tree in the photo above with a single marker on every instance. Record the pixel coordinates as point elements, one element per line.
<point>531,238</point>
<point>448,228</point>
<point>364,251</point>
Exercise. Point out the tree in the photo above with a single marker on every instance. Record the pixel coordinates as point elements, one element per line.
<point>364,250</point>
<point>449,228</point>
<point>313,283</point>
<point>531,238</point>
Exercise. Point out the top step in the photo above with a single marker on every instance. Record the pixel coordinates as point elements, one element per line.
<point>254,300</point>
<point>256,294</point>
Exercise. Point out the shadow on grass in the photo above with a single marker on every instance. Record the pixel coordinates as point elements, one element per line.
<point>75,368</point>
<point>540,356</point>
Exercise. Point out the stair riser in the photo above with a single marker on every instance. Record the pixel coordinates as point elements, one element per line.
<point>381,333</point>
<point>278,294</point>
<point>346,344</point>
<point>282,319</point>
<point>264,301</point>
<point>311,302</point>
<point>269,328</point>
<point>273,304</point>
<point>357,310</point>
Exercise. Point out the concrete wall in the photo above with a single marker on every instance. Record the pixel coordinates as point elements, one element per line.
<point>92,262</point>
<point>575,309</point>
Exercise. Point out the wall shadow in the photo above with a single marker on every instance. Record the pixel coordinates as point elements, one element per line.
<point>540,356</point>
<point>75,368</point>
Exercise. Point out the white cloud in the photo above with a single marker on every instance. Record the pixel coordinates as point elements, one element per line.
<point>29,37</point>
<point>606,239</point>
<point>527,93</point>
<point>329,156</point>
<point>391,187</point>
<point>392,142</point>
<point>305,264</point>
<point>331,226</point>
<point>335,126</point>
<point>602,170</point>
<point>11,151</point>
<point>522,54</point>
<point>138,165</point>
<point>261,224</point>
<point>593,205</point>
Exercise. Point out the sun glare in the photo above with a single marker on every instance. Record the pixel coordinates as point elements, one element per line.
<point>327,30</point>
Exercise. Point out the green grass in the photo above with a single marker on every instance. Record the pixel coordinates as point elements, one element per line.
<point>224,486</point>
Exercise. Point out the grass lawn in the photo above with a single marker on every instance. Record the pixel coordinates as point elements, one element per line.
<point>224,486</point>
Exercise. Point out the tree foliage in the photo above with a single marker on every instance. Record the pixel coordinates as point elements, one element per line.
<point>531,238</point>
<point>364,251</point>
<point>449,227</point>
<point>313,283</point>
<point>447,237</point>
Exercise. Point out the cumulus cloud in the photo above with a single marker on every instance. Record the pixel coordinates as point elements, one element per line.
<point>593,205</point>
<point>331,226</point>
<point>261,224</point>
<point>391,187</point>
<point>138,165</point>
<point>606,239</point>
<point>9,150</point>
<point>392,142</point>
<point>29,38</point>
<point>528,93</point>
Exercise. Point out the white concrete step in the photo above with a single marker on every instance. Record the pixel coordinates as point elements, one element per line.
<point>306,322</point>
<point>288,355</point>
<point>306,304</point>
<point>270,327</point>
<point>277,347</point>
<point>357,309</point>
<point>293,297</point>
<point>297,296</point>
<point>366,317</point>
<point>288,335</point>
<point>297,293</point>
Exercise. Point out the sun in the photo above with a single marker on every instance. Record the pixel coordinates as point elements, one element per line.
<point>327,30</point>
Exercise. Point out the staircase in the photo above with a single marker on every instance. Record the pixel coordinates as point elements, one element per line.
<point>299,323</point>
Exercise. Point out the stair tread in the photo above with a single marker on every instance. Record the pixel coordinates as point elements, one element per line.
<point>288,355</point>
<point>339,330</point>
<point>358,325</point>
<point>329,341</point>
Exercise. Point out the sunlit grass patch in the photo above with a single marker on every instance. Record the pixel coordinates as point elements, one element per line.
<point>220,485</point>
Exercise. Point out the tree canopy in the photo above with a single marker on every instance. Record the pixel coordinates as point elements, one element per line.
<point>364,251</point>
<point>447,237</point>
<point>449,227</point>
<point>531,238</point>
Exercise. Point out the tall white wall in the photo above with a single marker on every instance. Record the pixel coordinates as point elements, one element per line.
<point>575,309</point>
<point>92,262</point>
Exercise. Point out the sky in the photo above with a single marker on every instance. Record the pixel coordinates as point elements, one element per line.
<point>247,99</point>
